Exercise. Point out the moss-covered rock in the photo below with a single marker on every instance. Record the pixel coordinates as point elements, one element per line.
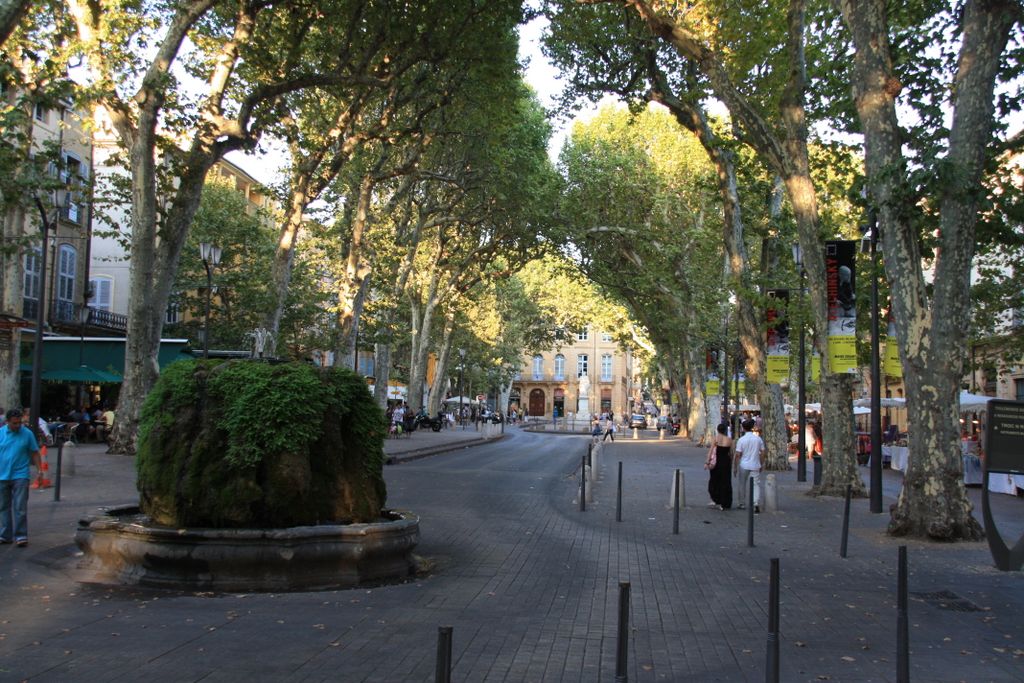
<point>247,444</point>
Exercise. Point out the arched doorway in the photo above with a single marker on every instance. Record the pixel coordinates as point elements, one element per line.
<point>559,402</point>
<point>536,402</point>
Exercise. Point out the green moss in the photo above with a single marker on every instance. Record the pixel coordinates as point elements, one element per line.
<point>243,444</point>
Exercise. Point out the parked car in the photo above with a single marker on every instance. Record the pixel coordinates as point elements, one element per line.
<point>637,421</point>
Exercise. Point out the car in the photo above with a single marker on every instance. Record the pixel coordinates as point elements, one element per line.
<point>637,421</point>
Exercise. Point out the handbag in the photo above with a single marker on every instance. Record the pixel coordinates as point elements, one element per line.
<point>712,459</point>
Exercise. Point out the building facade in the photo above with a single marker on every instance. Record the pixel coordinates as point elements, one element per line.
<point>589,374</point>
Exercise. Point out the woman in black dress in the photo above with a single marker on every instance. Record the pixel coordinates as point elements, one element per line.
<point>719,463</point>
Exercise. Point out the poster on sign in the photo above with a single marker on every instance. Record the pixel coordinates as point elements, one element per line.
<point>778,336</point>
<point>840,281</point>
<point>892,365</point>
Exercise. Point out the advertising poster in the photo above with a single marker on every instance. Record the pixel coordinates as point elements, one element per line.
<point>737,387</point>
<point>840,275</point>
<point>891,365</point>
<point>778,336</point>
<point>712,387</point>
<point>815,366</point>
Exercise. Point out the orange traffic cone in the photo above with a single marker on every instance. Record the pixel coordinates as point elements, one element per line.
<point>43,482</point>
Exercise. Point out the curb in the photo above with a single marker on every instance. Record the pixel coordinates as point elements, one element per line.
<point>399,458</point>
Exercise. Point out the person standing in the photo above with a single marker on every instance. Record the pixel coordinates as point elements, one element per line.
<point>18,450</point>
<point>748,462</point>
<point>719,464</point>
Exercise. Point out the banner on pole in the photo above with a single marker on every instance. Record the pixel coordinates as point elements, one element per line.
<point>778,336</point>
<point>840,280</point>
<point>712,387</point>
<point>891,364</point>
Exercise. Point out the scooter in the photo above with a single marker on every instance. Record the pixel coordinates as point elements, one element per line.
<point>435,423</point>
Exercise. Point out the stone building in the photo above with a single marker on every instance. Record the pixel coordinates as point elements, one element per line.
<point>588,374</point>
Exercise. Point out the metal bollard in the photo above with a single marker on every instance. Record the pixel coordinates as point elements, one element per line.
<point>618,497</point>
<point>846,522</point>
<point>622,641</point>
<point>675,513</point>
<point>634,433</point>
<point>443,669</point>
<point>902,630</point>
<point>771,494</point>
<point>771,672</point>
<point>750,513</point>
<point>583,484</point>
<point>60,462</point>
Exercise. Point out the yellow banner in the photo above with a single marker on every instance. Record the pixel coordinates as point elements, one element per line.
<point>842,353</point>
<point>778,369</point>
<point>737,388</point>
<point>712,387</point>
<point>815,368</point>
<point>891,364</point>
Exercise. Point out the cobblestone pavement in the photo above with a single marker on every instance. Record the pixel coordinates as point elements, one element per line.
<point>530,585</point>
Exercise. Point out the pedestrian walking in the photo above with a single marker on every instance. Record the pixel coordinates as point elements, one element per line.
<point>747,464</point>
<point>719,465</point>
<point>609,430</point>
<point>18,451</point>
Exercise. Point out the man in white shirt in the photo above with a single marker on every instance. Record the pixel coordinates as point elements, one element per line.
<point>747,464</point>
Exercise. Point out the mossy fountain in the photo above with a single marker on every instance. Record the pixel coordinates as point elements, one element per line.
<point>255,476</point>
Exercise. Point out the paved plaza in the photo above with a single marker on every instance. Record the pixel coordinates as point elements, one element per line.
<point>530,584</point>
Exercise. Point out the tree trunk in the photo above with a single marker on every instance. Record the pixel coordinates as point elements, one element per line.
<point>437,387</point>
<point>381,373</point>
<point>839,459</point>
<point>12,301</point>
<point>932,338</point>
<point>284,257</point>
<point>421,345</point>
<point>699,407</point>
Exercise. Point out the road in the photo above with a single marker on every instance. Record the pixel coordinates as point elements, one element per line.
<point>530,586</point>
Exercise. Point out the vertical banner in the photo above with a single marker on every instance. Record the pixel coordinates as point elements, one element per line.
<point>712,387</point>
<point>778,336</point>
<point>815,366</point>
<point>840,274</point>
<point>737,387</point>
<point>891,363</point>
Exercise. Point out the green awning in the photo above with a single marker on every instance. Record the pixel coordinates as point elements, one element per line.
<point>82,374</point>
<point>63,357</point>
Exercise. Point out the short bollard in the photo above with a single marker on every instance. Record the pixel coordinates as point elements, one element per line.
<point>60,462</point>
<point>69,458</point>
<point>750,513</point>
<point>635,434</point>
<point>675,513</point>
<point>771,494</point>
<point>583,484</point>
<point>618,497</point>
<point>443,670</point>
<point>817,470</point>
<point>902,630</point>
<point>589,475</point>
<point>846,522</point>
<point>771,673</point>
<point>622,642</point>
<point>661,435</point>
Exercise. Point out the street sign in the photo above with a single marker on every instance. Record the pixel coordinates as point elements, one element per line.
<point>1004,452</point>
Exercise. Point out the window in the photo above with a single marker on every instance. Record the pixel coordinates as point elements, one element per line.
<point>1018,385</point>
<point>559,367</point>
<point>538,367</point>
<point>581,365</point>
<point>74,175</point>
<point>67,266</point>
<point>41,113</point>
<point>366,368</point>
<point>583,335</point>
<point>33,264</point>
<point>173,313</point>
<point>606,336</point>
<point>606,367</point>
<point>101,288</point>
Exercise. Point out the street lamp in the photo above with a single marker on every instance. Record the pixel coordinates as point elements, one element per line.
<point>801,458</point>
<point>59,202</point>
<point>83,319</point>
<point>210,254</point>
<point>870,244</point>
<point>462,365</point>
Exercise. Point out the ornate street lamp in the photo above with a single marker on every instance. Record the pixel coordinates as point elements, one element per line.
<point>801,458</point>
<point>210,254</point>
<point>59,202</point>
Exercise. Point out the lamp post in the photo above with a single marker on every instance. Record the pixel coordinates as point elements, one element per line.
<point>210,254</point>
<point>871,237</point>
<point>462,366</point>
<point>725,372</point>
<point>801,444</point>
<point>37,351</point>
<point>83,318</point>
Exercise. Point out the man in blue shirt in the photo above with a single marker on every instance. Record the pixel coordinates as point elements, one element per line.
<point>18,450</point>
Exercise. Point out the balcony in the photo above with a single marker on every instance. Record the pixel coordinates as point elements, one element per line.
<point>66,314</point>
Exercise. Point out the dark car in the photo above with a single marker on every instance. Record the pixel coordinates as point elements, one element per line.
<point>637,421</point>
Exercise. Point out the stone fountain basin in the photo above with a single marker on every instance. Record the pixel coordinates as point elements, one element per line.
<point>121,547</point>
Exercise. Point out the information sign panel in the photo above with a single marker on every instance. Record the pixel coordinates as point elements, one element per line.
<point>1004,440</point>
